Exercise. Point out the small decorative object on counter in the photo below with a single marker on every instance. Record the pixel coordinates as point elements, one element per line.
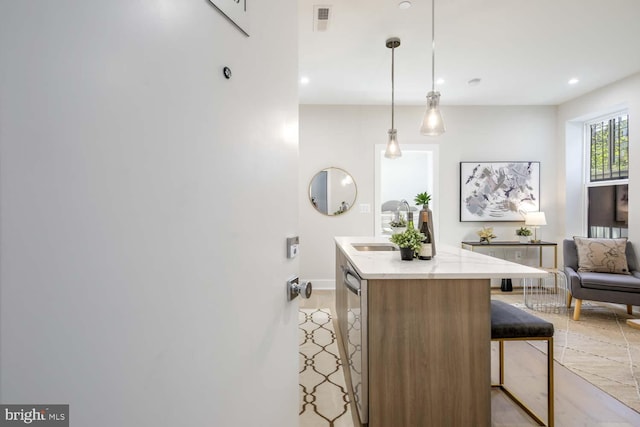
<point>409,241</point>
<point>427,251</point>
<point>398,225</point>
<point>406,254</point>
<point>486,234</point>
<point>410,225</point>
<point>424,199</point>
<point>524,234</point>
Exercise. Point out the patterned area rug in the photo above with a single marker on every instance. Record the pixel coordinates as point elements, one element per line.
<point>600,347</point>
<point>324,400</point>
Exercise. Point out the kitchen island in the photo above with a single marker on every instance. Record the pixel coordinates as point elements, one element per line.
<point>418,333</point>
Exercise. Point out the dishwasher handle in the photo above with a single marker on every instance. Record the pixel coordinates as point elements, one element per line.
<point>348,275</point>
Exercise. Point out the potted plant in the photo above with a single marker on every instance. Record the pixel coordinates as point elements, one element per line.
<point>523,234</point>
<point>423,199</point>
<point>398,225</point>
<point>409,242</point>
<point>486,234</point>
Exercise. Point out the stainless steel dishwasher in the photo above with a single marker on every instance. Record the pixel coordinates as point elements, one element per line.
<point>356,346</point>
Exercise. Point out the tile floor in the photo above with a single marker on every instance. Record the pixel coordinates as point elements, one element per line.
<point>324,400</point>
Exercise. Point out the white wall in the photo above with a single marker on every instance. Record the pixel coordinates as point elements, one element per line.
<point>345,136</point>
<point>622,94</point>
<point>134,283</point>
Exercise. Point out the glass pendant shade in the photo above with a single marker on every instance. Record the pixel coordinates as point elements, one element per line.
<point>393,148</point>
<point>432,124</point>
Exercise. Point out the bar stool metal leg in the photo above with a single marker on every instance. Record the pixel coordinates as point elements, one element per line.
<point>550,381</point>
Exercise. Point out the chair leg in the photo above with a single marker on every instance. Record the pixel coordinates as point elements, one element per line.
<point>501,371</point>
<point>576,312</point>
<point>550,380</point>
<point>629,309</point>
<point>569,297</point>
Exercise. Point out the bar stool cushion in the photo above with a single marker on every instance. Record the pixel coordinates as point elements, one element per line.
<point>509,322</point>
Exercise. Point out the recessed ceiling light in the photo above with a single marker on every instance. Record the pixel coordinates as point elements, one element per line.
<point>304,80</point>
<point>474,82</point>
<point>573,81</point>
<point>440,81</point>
<point>404,5</point>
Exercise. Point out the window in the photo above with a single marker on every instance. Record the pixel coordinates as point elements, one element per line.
<point>609,148</point>
<point>607,189</point>
<point>608,210</point>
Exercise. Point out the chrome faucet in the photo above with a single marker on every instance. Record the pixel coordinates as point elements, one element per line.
<point>403,202</point>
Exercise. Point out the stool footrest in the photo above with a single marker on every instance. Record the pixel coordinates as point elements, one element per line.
<point>521,404</point>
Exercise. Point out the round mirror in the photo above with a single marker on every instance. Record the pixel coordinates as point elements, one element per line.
<point>332,191</point>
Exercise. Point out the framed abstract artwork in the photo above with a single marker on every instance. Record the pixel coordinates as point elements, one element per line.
<point>235,11</point>
<point>498,191</point>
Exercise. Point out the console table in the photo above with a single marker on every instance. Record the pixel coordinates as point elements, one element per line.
<point>506,283</point>
<point>515,245</point>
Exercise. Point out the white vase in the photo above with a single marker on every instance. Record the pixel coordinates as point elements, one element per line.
<point>524,239</point>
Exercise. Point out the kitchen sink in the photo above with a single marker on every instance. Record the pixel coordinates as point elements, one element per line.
<point>375,247</point>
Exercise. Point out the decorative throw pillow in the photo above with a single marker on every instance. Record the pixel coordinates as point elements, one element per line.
<point>602,255</point>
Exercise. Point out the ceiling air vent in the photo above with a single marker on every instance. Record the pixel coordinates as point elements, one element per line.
<point>321,15</point>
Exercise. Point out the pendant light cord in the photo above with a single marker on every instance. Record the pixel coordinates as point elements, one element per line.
<point>433,45</point>
<point>393,49</point>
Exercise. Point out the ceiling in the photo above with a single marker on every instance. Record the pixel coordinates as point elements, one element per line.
<point>524,51</point>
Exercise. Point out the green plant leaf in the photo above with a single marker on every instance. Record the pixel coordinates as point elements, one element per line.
<point>422,198</point>
<point>411,238</point>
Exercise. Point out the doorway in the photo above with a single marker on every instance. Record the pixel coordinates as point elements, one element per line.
<point>403,178</point>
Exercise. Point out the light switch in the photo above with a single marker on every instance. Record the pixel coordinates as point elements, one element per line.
<point>365,208</point>
<point>293,245</point>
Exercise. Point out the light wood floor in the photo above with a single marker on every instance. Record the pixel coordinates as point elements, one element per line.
<point>577,402</point>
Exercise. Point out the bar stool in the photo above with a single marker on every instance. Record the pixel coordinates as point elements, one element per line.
<point>509,323</point>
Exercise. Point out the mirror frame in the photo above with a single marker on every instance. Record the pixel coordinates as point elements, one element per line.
<point>349,203</point>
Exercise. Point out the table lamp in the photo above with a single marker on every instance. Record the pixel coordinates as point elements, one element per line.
<point>535,220</point>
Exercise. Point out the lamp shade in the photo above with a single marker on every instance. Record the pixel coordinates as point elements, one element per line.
<point>432,124</point>
<point>393,148</point>
<point>535,219</point>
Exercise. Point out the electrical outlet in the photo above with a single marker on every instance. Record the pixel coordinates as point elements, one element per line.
<point>518,255</point>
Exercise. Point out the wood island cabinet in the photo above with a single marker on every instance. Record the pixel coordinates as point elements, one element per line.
<point>426,353</point>
<point>428,350</point>
<point>429,353</point>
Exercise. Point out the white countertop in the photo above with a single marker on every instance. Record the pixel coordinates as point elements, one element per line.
<point>450,262</point>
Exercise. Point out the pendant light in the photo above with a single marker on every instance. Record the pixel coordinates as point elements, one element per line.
<point>393,148</point>
<point>432,124</point>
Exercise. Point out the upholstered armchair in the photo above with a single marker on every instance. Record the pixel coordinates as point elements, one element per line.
<point>614,275</point>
